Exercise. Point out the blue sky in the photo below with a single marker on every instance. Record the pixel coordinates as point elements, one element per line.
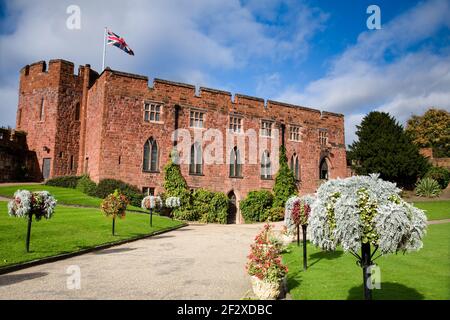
<point>312,53</point>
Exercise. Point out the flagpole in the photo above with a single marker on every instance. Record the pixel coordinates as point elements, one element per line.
<point>104,49</point>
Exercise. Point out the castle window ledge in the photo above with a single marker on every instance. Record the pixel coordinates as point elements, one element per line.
<point>196,174</point>
<point>149,171</point>
<point>236,177</point>
<point>267,178</point>
<point>153,122</point>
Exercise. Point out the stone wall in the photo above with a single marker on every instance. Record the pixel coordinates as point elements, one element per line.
<point>17,163</point>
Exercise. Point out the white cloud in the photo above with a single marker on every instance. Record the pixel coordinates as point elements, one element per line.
<point>361,78</point>
<point>176,39</point>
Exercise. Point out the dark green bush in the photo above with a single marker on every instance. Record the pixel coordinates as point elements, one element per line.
<point>175,186</point>
<point>253,207</point>
<point>87,186</point>
<point>272,215</point>
<point>441,175</point>
<point>211,206</point>
<point>64,181</point>
<point>107,186</point>
<point>186,215</point>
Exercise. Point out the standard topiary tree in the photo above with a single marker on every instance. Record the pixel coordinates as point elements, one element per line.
<point>383,147</point>
<point>153,202</point>
<point>363,211</point>
<point>114,205</point>
<point>285,185</point>
<point>297,213</point>
<point>27,204</point>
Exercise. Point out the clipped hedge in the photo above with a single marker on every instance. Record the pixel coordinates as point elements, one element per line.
<point>441,175</point>
<point>212,207</point>
<point>64,181</point>
<point>272,215</point>
<point>108,186</point>
<point>186,215</point>
<point>87,186</point>
<point>253,207</point>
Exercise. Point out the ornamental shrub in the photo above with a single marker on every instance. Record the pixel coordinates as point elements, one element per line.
<point>186,215</point>
<point>212,207</point>
<point>285,185</point>
<point>26,204</point>
<point>108,186</point>
<point>272,215</point>
<point>253,207</point>
<point>64,181</point>
<point>264,260</point>
<point>365,209</point>
<point>440,174</point>
<point>40,204</point>
<point>175,186</point>
<point>87,186</point>
<point>428,187</point>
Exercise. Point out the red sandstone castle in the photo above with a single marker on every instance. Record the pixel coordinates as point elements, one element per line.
<point>113,125</point>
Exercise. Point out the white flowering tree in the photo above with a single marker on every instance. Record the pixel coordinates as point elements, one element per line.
<point>297,213</point>
<point>26,204</point>
<point>363,211</point>
<point>151,203</point>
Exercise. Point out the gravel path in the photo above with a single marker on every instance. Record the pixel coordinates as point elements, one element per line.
<point>195,262</point>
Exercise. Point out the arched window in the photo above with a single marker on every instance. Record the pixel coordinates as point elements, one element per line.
<point>323,169</point>
<point>265,166</point>
<point>150,155</point>
<point>295,166</point>
<point>196,161</point>
<point>235,163</point>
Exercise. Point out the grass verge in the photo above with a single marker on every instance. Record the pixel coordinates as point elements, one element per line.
<point>335,275</point>
<point>71,229</point>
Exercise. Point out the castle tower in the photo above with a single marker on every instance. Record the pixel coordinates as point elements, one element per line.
<point>49,111</point>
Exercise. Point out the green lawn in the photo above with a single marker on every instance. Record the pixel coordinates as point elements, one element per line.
<point>71,229</point>
<point>435,210</point>
<point>335,275</point>
<point>63,195</point>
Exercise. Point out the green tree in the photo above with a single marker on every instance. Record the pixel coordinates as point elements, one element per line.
<point>431,130</point>
<point>285,185</point>
<point>383,147</point>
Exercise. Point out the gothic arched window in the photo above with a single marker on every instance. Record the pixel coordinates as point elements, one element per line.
<point>323,169</point>
<point>266,166</point>
<point>196,160</point>
<point>295,166</point>
<point>150,155</point>
<point>235,163</point>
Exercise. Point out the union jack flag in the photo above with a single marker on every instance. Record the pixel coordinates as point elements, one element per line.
<point>119,42</point>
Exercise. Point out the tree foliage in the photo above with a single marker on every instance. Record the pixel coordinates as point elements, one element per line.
<point>175,185</point>
<point>431,130</point>
<point>285,185</point>
<point>383,147</point>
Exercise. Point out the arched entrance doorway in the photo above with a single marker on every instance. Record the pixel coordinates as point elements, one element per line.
<point>323,169</point>
<point>232,209</point>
